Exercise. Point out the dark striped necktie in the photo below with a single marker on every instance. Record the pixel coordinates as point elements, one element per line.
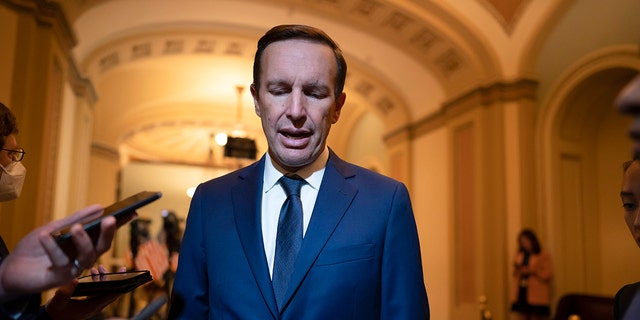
<point>289,236</point>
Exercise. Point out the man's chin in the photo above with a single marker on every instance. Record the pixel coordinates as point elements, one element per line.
<point>292,160</point>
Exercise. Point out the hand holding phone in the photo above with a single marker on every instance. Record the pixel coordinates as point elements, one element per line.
<point>111,283</point>
<point>123,211</point>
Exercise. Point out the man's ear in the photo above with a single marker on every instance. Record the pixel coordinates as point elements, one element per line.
<point>254,94</point>
<point>338,109</point>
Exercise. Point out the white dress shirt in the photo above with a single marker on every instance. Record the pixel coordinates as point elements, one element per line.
<point>273,197</point>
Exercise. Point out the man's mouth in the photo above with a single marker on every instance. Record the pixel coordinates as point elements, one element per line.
<point>294,135</point>
<point>299,134</point>
<point>295,139</point>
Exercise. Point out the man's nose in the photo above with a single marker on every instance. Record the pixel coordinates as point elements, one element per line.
<point>297,105</point>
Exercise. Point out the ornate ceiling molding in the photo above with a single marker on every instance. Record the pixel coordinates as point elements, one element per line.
<point>165,44</point>
<point>506,12</point>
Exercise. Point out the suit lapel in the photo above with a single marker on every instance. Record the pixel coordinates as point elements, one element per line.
<point>334,198</point>
<point>247,198</point>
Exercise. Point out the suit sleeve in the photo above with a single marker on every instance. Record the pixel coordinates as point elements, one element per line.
<point>189,298</point>
<point>403,292</point>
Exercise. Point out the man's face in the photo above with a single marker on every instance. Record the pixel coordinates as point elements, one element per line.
<point>10,143</point>
<point>296,101</point>
<point>630,195</point>
<point>628,102</point>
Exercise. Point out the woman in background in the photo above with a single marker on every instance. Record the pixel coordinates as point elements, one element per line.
<point>532,274</point>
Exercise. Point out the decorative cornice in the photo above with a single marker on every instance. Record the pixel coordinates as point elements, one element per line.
<point>496,92</point>
<point>48,13</point>
<point>105,151</point>
<point>480,97</point>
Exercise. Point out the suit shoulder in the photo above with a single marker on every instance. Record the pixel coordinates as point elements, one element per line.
<point>370,175</point>
<point>231,178</point>
<point>363,176</point>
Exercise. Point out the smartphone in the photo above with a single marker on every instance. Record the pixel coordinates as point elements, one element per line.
<point>111,283</point>
<point>121,210</point>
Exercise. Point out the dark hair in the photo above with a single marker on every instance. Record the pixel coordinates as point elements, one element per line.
<point>301,32</point>
<point>171,226</point>
<point>535,244</point>
<point>8,123</point>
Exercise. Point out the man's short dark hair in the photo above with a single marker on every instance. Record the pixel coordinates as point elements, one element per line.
<point>301,32</point>
<point>7,123</point>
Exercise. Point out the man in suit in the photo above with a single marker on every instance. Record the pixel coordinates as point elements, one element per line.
<point>356,253</point>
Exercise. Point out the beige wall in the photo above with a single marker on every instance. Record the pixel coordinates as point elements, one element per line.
<point>431,197</point>
<point>8,34</point>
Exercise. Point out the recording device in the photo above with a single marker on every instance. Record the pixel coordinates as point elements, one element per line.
<point>121,210</point>
<point>111,283</point>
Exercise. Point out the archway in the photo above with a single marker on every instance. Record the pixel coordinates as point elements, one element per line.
<point>582,143</point>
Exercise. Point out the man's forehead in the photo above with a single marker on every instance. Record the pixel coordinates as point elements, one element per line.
<point>286,50</point>
<point>298,62</point>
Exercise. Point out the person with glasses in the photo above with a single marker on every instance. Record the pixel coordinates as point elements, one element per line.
<point>15,154</point>
<point>13,172</point>
<point>37,263</point>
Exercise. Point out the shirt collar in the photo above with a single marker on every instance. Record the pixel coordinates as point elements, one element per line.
<point>312,173</point>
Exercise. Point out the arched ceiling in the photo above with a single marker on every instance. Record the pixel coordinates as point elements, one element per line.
<point>166,71</point>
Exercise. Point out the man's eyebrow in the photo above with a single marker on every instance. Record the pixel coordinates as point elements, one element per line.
<point>626,193</point>
<point>276,82</point>
<point>317,86</point>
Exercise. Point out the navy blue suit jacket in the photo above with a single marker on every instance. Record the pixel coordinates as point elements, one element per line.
<point>360,257</point>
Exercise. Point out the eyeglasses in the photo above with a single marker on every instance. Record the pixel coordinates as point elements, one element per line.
<point>15,154</point>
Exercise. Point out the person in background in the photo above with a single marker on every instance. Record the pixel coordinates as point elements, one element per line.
<point>149,253</point>
<point>299,234</point>
<point>532,275</point>
<point>630,196</point>
<point>171,236</point>
<point>628,103</point>
<point>37,263</point>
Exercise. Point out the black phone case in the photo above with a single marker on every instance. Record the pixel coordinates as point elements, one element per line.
<point>119,210</point>
<point>111,283</point>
